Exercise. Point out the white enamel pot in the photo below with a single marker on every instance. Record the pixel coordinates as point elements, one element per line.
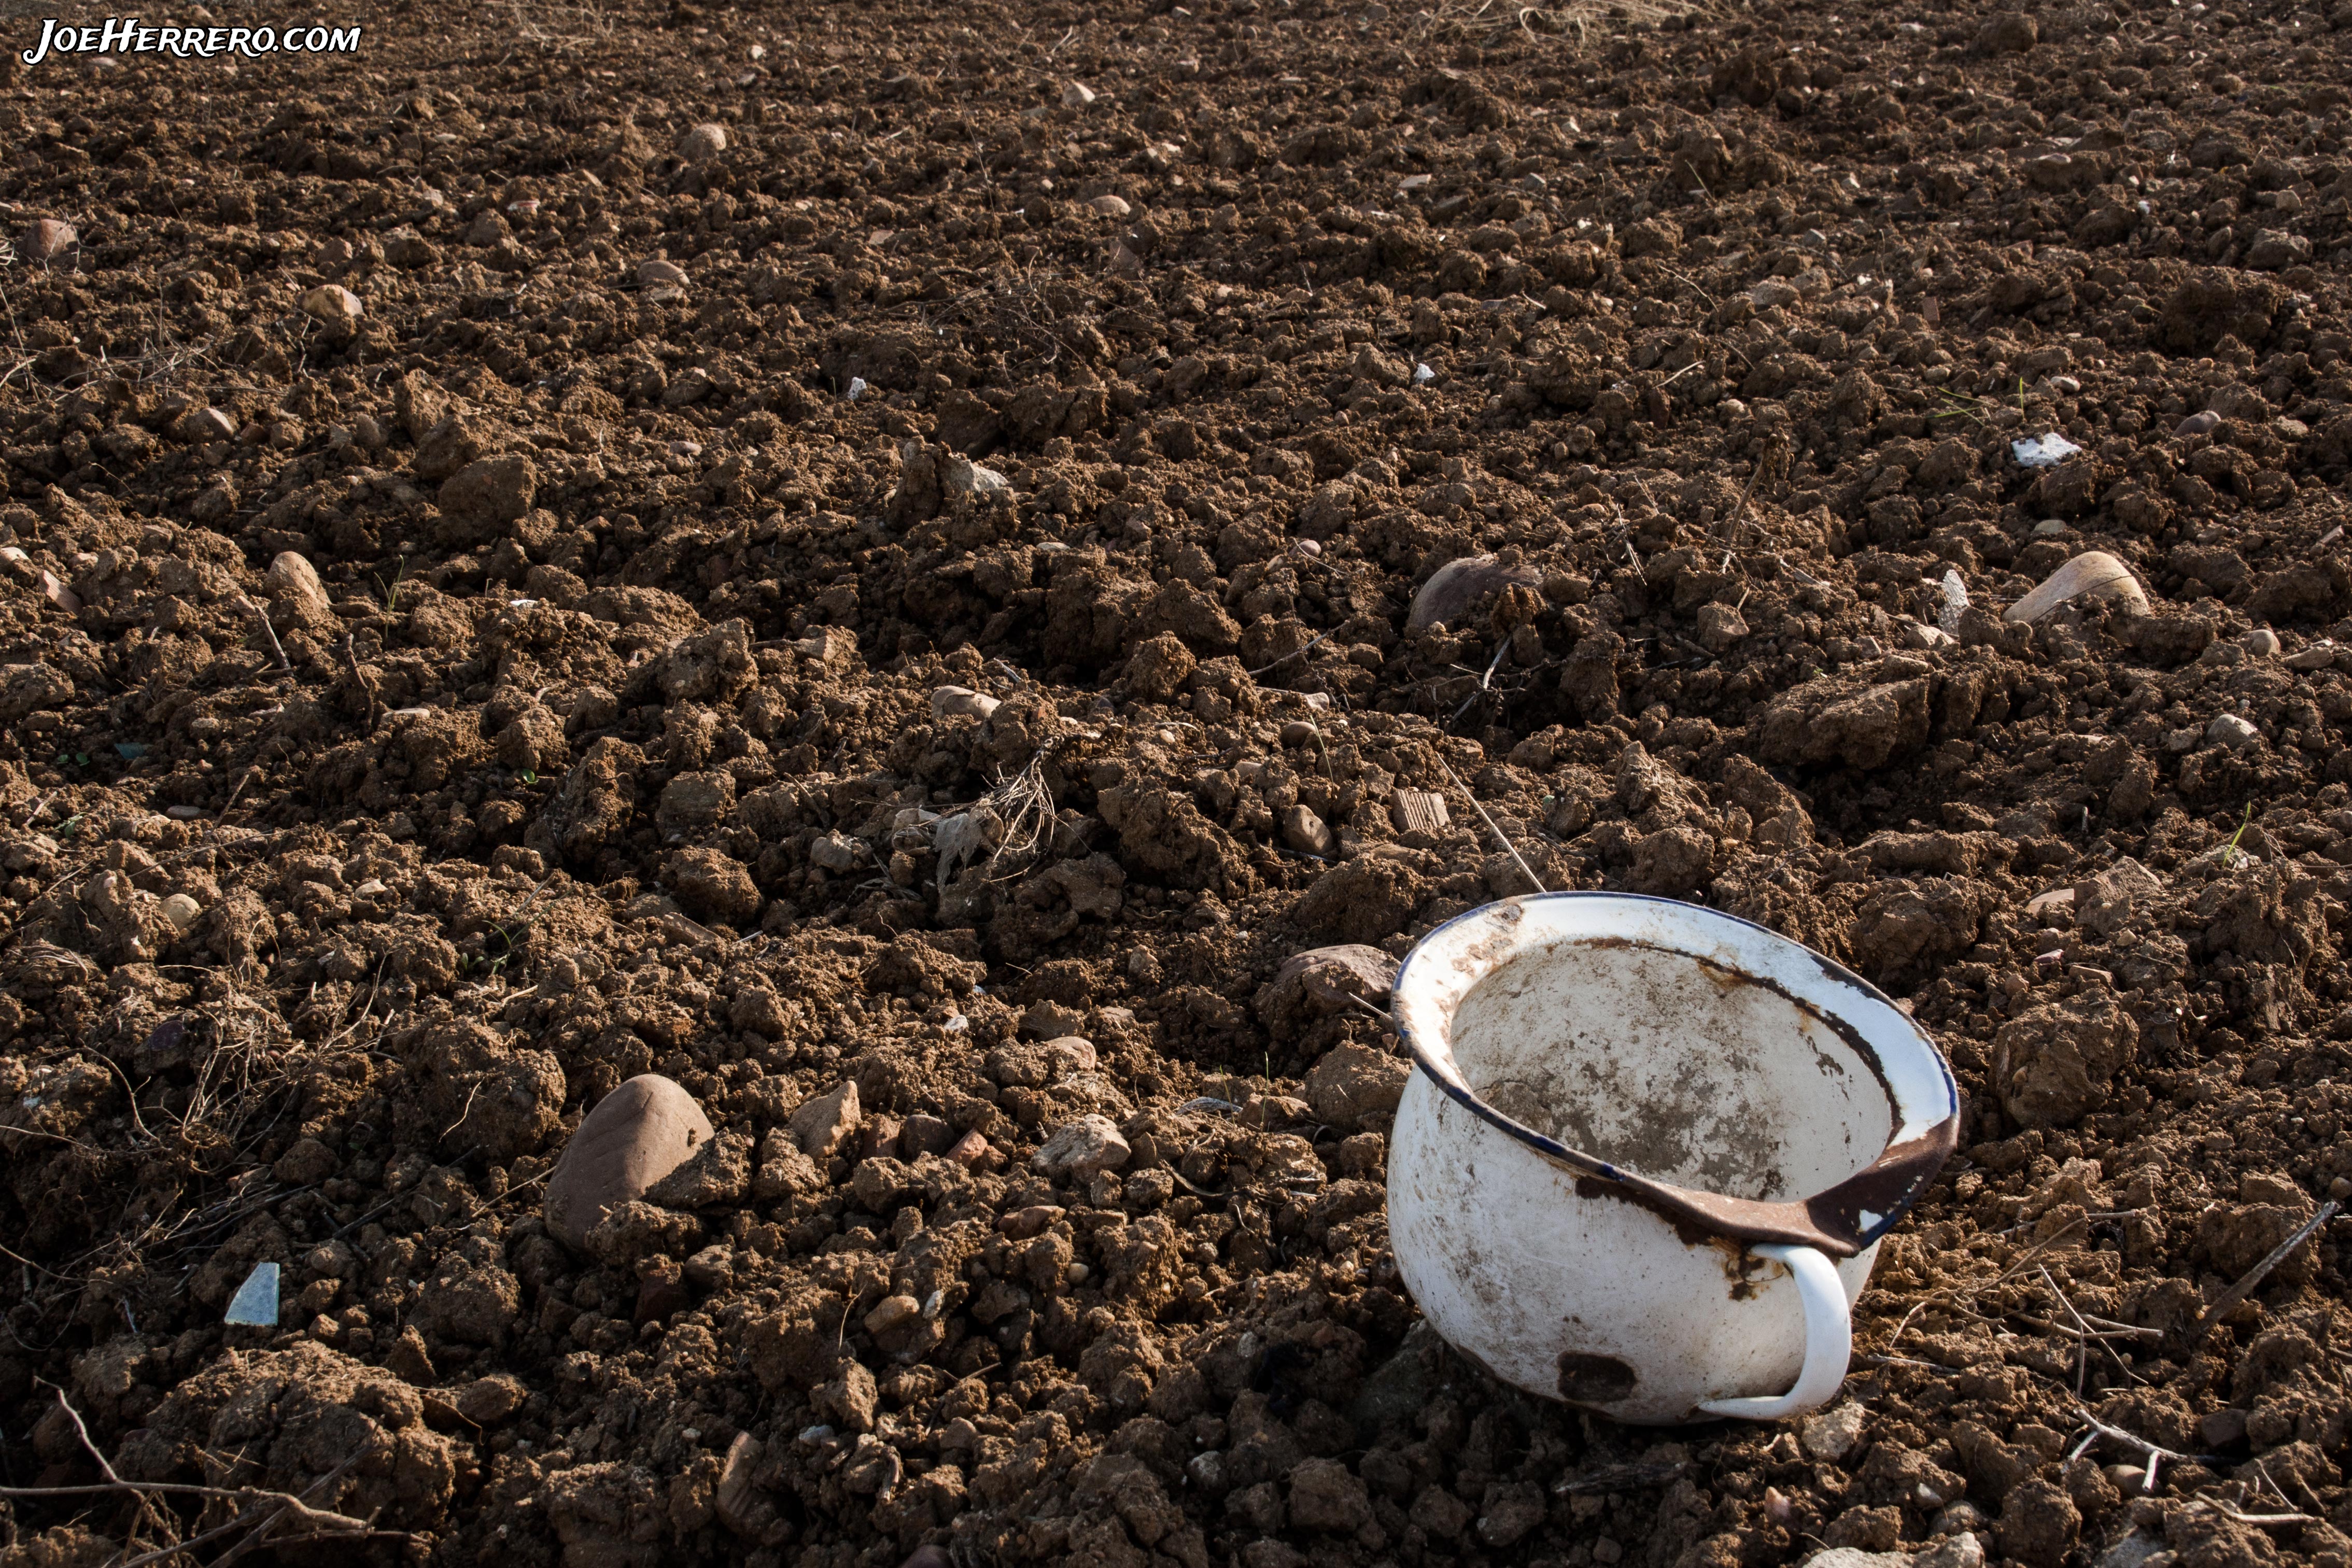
<point>1649,1151</point>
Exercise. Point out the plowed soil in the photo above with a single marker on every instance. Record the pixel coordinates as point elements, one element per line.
<point>845,544</point>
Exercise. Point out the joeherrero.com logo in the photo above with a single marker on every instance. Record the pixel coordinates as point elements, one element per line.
<point>128,36</point>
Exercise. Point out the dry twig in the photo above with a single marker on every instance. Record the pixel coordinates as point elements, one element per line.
<point>1512,850</point>
<point>2259,1272</point>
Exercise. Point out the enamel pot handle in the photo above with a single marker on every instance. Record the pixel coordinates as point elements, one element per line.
<point>1828,1339</point>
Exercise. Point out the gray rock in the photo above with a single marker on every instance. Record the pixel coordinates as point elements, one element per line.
<point>2228,729</point>
<point>965,477</point>
<point>1831,1435</point>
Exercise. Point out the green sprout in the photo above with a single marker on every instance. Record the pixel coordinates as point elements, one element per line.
<point>390,591</point>
<point>2231,853</point>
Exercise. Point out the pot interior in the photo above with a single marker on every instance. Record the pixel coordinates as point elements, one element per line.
<point>1672,1067</point>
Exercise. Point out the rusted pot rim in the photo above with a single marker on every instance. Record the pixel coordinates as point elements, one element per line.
<point>1844,1219</point>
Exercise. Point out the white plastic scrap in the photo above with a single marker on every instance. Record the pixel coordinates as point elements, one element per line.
<point>2044,451</point>
<point>1956,603</point>
<point>255,1302</point>
<point>1422,375</point>
<point>857,388</point>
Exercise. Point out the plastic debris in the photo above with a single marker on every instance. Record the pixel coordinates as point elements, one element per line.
<point>2044,451</point>
<point>1422,375</point>
<point>1956,603</point>
<point>857,388</point>
<point>255,1302</point>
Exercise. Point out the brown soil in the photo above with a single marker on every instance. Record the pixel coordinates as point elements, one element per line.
<point>605,740</point>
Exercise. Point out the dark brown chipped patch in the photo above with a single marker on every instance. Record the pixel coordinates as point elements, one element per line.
<point>1595,1379</point>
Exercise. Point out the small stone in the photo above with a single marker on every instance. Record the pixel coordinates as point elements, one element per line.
<point>2271,250</point>
<point>700,143</point>
<point>2228,729</point>
<point>182,910</point>
<point>965,477</point>
<point>1457,589</point>
<point>1326,980</point>
<point>972,1150</point>
<point>892,1312</point>
<point>294,580</point>
<point>1082,1147</point>
<point>822,1126</point>
<point>2093,574</point>
<point>835,852</point>
<point>2009,34</point>
<point>1076,95</point>
<point>1304,831</point>
<point>1831,1435</point>
<point>2262,643</point>
<point>333,304</point>
<point>737,1498</point>
<point>48,239</point>
<point>659,273</point>
<point>1962,1518</point>
<point>206,424</point>
<point>1110,206</point>
<point>1960,1550</point>
<point>922,1133</point>
<point>1720,627</point>
<point>2320,656</point>
<point>713,1268</point>
<point>637,1134</point>
<point>1774,293</point>
<point>1034,1220</point>
<point>959,702</point>
<point>2204,423</point>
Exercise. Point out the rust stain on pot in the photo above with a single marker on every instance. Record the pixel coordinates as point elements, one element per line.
<point>1586,1379</point>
